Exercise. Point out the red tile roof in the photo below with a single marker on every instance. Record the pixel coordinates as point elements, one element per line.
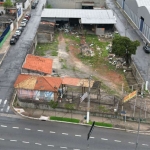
<point>37,63</point>
<point>41,83</point>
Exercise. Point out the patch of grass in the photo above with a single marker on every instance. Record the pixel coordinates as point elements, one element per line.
<point>102,124</point>
<point>64,65</point>
<point>42,48</point>
<point>65,119</point>
<point>72,37</point>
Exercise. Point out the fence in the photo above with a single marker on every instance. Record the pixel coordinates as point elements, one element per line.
<point>4,36</point>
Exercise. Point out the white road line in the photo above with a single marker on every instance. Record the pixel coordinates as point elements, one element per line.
<point>104,139</point>
<point>78,135</point>
<point>51,145</point>
<point>131,143</point>
<point>145,144</point>
<point>15,127</point>
<point>0,101</point>
<point>25,142</point>
<point>2,139</point>
<point>92,137</point>
<point>13,140</point>
<point>5,102</point>
<point>3,126</point>
<point>8,107</point>
<point>2,110</point>
<point>65,133</point>
<point>117,141</point>
<point>76,149</point>
<point>52,132</point>
<point>40,130</point>
<point>38,143</point>
<point>64,147</point>
<point>27,129</point>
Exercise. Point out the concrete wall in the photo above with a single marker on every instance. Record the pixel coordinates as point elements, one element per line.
<point>72,4</point>
<point>26,4</point>
<point>44,37</point>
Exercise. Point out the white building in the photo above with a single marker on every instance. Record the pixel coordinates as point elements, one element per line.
<point>139,12</point>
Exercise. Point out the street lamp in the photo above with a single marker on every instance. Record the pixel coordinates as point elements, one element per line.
<point>88,104</point>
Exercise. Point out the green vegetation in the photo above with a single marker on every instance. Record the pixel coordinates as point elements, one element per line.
<point>72,38</point>
<point>8,3</point>
<point>53,105</point>
<point>69,107</point>
<point>102,124</point>
<point>42,48</point>
<point>99,49</point>
<point>48,6</point>
<point>124,47</point>
<point>65,119</point>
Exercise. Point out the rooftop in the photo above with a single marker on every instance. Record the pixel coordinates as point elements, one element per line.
<point>41,83</point>
<point>37,63</point>
<point>87,16</point>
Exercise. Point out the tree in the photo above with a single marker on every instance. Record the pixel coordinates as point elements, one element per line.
<point>69,107</point>
<point>53,105</point>
<point>7,3</point>
<point>124,47</point>
<point>103,110</point>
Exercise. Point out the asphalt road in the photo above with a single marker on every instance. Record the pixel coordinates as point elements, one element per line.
<point>12,64</point>
<point>141,58</point>
<point>20,134</point>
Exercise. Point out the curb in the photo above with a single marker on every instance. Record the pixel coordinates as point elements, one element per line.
<point>27,117</point>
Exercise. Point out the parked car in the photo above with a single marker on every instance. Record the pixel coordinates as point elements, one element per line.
<point>28,14</point>
<point>27,17</point>
<point>13,41</point>
<point>21,28</point>
<point>16,37</point>
<point>147,48</point>
<point>23,24</point>
<point>33,5</point>
<point>25,20</point>
<point>18,32</point>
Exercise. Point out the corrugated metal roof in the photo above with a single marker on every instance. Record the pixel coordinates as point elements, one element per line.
<point>94,16</point>
<point>143,3</point>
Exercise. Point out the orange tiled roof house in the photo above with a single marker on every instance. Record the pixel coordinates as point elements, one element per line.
<point>37,65</point>
<point>37,88</point>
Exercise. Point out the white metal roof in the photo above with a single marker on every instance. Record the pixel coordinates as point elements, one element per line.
<point>143,3</point>
<point>87,16</point>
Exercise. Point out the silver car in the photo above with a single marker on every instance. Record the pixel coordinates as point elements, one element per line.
<point>18,32</point>
<point>23,24</point>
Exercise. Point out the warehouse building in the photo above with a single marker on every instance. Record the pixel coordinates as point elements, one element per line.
<point>139,13</point>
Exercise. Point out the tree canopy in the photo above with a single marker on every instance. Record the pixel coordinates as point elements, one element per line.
<point>124,47</point>
<point>7,3</point>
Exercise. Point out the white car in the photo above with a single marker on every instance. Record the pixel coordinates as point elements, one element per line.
<point>18,32</point>
<point>23,24</point>
<point>25,20</point>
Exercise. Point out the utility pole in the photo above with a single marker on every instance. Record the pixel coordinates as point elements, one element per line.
<point>88,105</point>
<point>137,140</point>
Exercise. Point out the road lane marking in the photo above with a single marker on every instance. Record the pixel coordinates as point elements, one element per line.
<point>13,140</point>
<point>145,144</point>
<point>15,127</point>
<point>104,139</point>
<point>117,141</point>
<point>52,132</point>
<point>38,143</point>
<point>27,129</point>
<point>76,149</point>
<point>65,133</point>
<point>3,126</point>
<point>40,130</point>
<point>25,142</point>
<point>2,109</point>
<point>2,139</point>
<point>92,137</point>
<point>64,147</point>
<point>131,143</point>
<point>78,135</point>
<point>8,107</point>
<point>51,145</point>
<point>5,101</point>
<point>0,101</point>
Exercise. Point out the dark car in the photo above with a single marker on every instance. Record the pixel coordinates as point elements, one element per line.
<point>33,6</point>
<point>21,29</point>
<point>12,41</point>
<point>16,37</point>
<point>147,48</point>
